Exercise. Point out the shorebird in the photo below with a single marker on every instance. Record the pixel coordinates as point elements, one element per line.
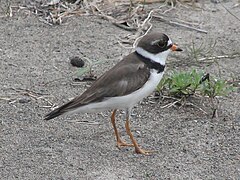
<point>128,82</point>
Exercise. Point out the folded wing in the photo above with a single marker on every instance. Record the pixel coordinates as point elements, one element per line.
<point>126,77</point>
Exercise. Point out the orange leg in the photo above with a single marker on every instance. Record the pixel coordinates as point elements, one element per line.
<point>120,142</point>
<point>138,150</point>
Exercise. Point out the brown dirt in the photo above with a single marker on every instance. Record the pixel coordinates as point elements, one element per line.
<point>190,145</point>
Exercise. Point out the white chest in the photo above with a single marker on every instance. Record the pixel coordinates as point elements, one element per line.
<point>127,101</point>
<point>131,99</point>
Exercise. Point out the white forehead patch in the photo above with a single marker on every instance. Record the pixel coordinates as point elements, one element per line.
<point>169,42</point>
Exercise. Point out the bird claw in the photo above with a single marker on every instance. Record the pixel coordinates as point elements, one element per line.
<point>144,152</point>
<point>121,143</point>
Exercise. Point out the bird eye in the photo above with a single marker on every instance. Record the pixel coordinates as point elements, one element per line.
<point>161,44</point>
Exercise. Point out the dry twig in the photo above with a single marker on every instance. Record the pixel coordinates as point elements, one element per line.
<point>32,94</point>
<point>85,122</point>
<point>230,12</point>
<point>218,57</point>
<point>179,24</point>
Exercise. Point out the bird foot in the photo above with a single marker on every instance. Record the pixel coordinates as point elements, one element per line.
<point>121,143</point>
<point>144,152</point>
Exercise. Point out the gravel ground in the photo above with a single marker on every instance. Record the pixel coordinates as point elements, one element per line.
<point>36,70</point>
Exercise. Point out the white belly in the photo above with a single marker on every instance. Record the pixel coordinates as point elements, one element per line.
<point>127,101</point>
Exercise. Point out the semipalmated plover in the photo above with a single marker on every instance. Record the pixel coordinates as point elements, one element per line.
<point>127,83</point>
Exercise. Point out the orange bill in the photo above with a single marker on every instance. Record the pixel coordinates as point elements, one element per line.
<point>175,48</point>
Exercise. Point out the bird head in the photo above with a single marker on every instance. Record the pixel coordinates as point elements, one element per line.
<point>156,46</point>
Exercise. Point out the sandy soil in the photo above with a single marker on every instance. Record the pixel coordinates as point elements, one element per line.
<point>35,61</point>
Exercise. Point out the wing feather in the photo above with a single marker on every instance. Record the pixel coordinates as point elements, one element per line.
<point>127,76</point>
<point>121,80</point>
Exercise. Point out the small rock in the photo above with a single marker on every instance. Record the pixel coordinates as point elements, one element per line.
<point>215,1</point>
<point>77,61</point>
<point>237,119</point>
<point>24,100</point>
<point>85,78</point>
<point>71,1</point>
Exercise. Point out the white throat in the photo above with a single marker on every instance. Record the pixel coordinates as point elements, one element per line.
<point>159,58</point>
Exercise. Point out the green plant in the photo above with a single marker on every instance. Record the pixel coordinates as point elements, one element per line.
<point>216,87</point>
<point>89,67</point>
<point>185,83</point>
<point>181,83</point>
<point>195,51</point>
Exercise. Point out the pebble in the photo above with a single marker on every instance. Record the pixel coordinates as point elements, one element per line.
<point>24,100</point>
<point>77,61</point>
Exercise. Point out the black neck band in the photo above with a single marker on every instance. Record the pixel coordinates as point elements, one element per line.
<point>150,63</point>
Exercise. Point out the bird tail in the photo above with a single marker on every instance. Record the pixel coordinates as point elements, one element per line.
<point>68,107</point>
<point>55,113</point>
